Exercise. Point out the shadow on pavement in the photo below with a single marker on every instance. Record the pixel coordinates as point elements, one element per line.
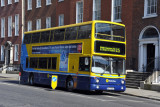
<point>11,81</point>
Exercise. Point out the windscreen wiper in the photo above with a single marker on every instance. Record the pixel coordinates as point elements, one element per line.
<point>104,70</point>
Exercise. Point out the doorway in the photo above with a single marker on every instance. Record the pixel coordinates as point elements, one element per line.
<point>8,57</point>
<point>150,57</point>
<point>149,49</point>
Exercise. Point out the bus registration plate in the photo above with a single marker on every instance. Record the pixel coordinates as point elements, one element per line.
<point>110,88</point>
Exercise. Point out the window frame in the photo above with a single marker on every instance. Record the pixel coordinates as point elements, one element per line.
<point>10,26</point>
<point>29,7</point>
<point>29,26</point>
<point>38,24</point>
<point>78,10</point>
<point>38,3</point>
<point>16,1</point>
<point>119,10</point>
<point>61,20</point>
<point>16,52</point>
<point>17,25</point>
<point>48,2</point>
<point>3,27</point>
<point>9,2</point>
<point>96,9</point>
<point>2,52</point>
<point>48,22</point>
<point>2,3</point>
<point>146,15</point>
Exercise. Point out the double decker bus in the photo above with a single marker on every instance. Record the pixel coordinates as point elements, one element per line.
<point>85,56</point>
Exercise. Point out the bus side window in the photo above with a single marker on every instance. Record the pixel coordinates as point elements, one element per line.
<point>42,63</point>
<point>84,64</point>
<point>59,35</point>
<point>49,63</point>
<point>35,37</point>
<point>84,32</point>
<point>45,36</point>
<point>54,62</point>
<point>27,62</point>
<point>51,36</point>
<point>33,62</point>
<point>71,33</point>
<point>27,38</point>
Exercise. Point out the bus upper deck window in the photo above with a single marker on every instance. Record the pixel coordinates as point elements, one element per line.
<point>59,35</point>
<point>71,33</point>
<point>27,39</point>
<point>110,32</point>
<point>45,36</point>
<point>84,32</point>
<point>35,37</point>
<point>51,36</point>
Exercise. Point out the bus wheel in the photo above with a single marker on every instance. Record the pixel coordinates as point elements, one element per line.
<point>31,80</point>
<point>69,84</point>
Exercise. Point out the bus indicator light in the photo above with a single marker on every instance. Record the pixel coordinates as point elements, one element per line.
<point>79,48</point>
<point>107,80</point>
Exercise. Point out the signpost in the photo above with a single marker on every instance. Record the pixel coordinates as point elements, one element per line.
<point>54,81</point>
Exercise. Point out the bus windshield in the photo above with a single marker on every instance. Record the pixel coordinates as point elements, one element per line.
<point>108,65</point>
<point>109,32</point>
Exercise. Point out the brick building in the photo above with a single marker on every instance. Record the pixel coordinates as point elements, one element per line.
<point>140,17</point>
<point>10,34</point>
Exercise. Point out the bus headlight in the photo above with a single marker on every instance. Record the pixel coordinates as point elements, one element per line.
<point>122,81</point>
<point>97,80</point>
<point>121,88</point>
<point>97,87</point>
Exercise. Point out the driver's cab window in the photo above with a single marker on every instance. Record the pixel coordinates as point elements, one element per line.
<point>84,64</point>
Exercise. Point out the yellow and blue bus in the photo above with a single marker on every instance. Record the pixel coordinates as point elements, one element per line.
<point>85,56</point>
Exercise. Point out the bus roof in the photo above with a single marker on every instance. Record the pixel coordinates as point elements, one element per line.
<point>71,25</point>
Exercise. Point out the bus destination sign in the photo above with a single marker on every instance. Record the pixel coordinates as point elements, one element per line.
<point>110,48</point>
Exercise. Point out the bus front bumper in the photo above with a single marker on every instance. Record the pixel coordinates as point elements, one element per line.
<point>94,87</point>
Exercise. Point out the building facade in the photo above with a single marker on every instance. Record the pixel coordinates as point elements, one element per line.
<point>141,18</point>
<point>10,34</point>
<point>40,13</point>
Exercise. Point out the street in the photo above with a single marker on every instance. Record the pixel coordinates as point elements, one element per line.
<point>13,94</point>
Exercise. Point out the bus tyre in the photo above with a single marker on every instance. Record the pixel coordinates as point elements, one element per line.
<point>31,80</point>
<point>69,84</point>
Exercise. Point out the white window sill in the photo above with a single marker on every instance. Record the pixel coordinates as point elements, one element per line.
<point>48,4</point>
<point>118,21</point>
<point>60,0</point>
<point>29,9</point>
<point>38,7</point>
<point>149,16</point>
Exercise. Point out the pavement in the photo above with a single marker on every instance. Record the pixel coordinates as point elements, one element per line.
<point>154,95</point>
